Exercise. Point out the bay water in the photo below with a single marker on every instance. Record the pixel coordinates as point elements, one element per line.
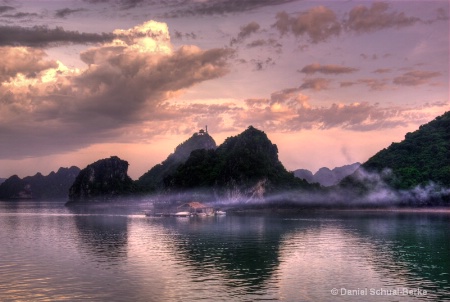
<point>50,252</point>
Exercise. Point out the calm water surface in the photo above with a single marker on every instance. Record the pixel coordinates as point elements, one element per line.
<point>49,252</point>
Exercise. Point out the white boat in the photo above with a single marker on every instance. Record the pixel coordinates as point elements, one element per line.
<point>182,214</point>
<point>219,213</point>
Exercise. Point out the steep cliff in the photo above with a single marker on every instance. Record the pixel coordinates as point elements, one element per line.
<point>244,167</point>
<point>153,179</point>
<point>422,157</point>
<point>102,180</point>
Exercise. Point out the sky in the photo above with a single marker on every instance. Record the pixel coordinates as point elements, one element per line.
<point>330,82</point>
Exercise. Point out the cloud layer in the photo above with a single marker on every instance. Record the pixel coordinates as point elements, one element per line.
<point>327,69</point>
<point>42,36</point>
<point>291,110</point>
<point>47,107</point>
<point>318,23</point>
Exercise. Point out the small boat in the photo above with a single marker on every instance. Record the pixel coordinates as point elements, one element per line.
<point>220,213</point>
<point>182,214</point>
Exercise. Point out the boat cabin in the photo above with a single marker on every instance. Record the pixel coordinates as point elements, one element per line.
<point>196,208</point>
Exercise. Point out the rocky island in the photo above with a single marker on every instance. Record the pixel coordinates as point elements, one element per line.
<point>52,186</point>
<point>245,168</point>
<point>153,180</point>
<point>105,179</point>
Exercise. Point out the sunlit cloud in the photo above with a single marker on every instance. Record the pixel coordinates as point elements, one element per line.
<point>298,113</point>
<point>125,83</point>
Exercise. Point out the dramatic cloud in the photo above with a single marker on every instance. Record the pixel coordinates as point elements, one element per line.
<point>364,19</point>
<point>42,36</point>
<point>46,107</point>
<point>327,69</point>
<point>28,62</point>
<point>62,13</point>
<point>318,23</point>
<point>416,77</point>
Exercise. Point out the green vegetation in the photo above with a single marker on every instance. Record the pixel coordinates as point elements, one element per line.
<point>104,179</point>
<point>241,162</point>
<point>153,180</point>
<point>423,156</point>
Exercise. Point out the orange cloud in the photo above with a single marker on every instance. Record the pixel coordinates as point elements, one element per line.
<point>46,107</point>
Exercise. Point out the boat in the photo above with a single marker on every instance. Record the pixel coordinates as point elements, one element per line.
<point>182,214</point>
<point>220,213</point>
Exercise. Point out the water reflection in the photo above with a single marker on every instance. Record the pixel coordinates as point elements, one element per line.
<point>307,256</point>
<point>241,253</point>
<point>416,245</point>
<point>110,253</point>
<point>368,250</point>
<point>101,235</point>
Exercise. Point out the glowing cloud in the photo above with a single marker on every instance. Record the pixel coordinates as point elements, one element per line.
<point>47,107</point>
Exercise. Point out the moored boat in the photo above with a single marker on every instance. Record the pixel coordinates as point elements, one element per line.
<point>182,214</point>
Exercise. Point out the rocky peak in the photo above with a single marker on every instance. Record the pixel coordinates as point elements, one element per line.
<point>201,140</point>
<point>153,179</point>
<point>103,179</point>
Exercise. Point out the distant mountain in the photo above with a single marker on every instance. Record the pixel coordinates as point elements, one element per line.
<point>54,185</point>
<point>153,179</point>
<point>325,176</point>
<point>103,179</point>
<point>305,174</point>
<point>2,180</point>
<point>422,157</point>
<point>244,167</point>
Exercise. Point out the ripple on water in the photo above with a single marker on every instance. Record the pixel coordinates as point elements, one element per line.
<point>74,256</point>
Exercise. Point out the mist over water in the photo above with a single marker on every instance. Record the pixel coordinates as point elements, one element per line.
<point>367,189</point>
<point>115,253</point>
